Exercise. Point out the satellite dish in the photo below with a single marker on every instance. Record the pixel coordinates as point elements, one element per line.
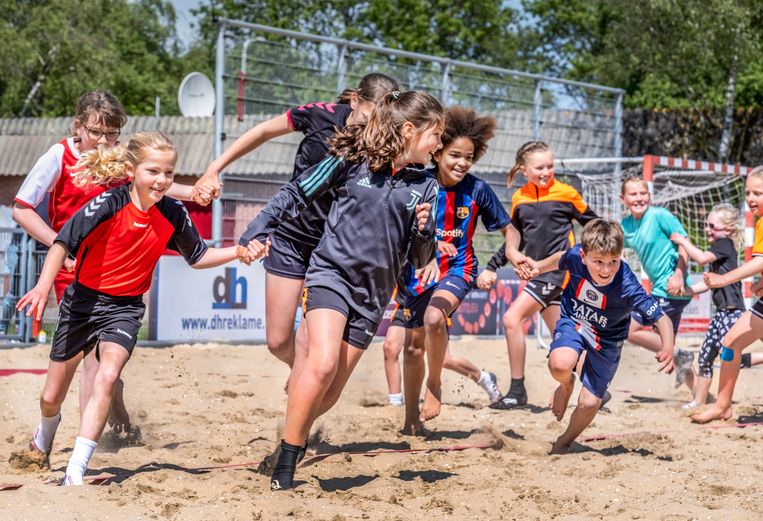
<point>196,96</point>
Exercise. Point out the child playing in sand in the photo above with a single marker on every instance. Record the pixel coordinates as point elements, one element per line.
<point>595,317</point>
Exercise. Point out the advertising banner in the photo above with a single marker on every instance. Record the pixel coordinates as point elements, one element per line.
<point>226,303</point>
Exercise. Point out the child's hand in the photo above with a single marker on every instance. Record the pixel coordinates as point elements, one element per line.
<point>713,280</point>
<point>665,359</point>
<point>676,284</point>
<point>429,273</point>
<point>257,249</point>
<point>422,214</point>
<point>36,299</point>
<point>526,268</point>
<point>486,279</point>
<point>243,255</point>
<point>69,264</point>
<point>203,193</point>
<point>678,238</point>
<point>447,248</point>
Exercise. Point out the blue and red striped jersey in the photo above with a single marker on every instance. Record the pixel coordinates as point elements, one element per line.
<point>458,208</point>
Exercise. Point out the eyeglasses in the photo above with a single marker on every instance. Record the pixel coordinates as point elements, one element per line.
<point>97,133</point>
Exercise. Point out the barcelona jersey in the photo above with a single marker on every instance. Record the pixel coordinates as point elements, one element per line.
<point>458,208</point>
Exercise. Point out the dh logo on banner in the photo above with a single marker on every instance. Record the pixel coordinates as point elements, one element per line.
<point>225,291</point>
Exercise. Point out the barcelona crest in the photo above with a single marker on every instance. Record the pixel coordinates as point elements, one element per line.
<point>462,212</point>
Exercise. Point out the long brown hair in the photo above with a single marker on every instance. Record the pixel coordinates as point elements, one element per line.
<point>525,150</point>
<point>381,140</point>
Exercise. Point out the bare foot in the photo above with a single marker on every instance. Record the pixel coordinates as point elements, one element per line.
<point>561,398</point>
<point>432,403</point>
<point>559,448</point>
<point>711,414</point>
<point>119,419</point>
<point>414,428</point>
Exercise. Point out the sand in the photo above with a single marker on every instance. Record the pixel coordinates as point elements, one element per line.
<point>206,415</point>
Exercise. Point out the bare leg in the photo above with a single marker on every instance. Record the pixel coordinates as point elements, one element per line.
<point>393,344</point>
<point>582,416</point>
<point>435,326</point>
<point>701,389</point>
<point>57,382</point>
<point>561,362</point>
<point>414,369</point>
<point>523,307</point>
<point>325,330</point>
<point>113,358</point>
<point>282,297</point>
<point>744,332</point>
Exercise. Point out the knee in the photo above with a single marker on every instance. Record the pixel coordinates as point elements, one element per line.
<point>106,378</point>
<point>413,353</point>
<point>279,344</point>
<point>434,319</point>
<point>322,371</point>
<point>51,399</point>
<point>589,401</point>
<point>391,350</point>
<point>559,368</point>
<point>511,322</point>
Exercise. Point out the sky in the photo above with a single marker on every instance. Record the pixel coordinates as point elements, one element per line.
<point>184,19</point>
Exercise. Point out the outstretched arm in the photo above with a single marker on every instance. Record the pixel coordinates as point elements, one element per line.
<point>215,257</point>
<point>250,140</point>
<point>665,355</point>
<point>748,269</point>
<point>699,256</point>
<point>38,295</point>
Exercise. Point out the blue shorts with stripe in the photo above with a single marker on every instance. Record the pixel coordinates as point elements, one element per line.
<point>600,364</point>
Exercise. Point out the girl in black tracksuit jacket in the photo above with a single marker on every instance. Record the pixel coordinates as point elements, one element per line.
<point>380,217</point>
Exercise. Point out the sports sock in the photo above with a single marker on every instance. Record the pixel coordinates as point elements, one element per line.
<point>746,360</point>
<point>75,470</point>
<point>46,431</point>
<point>517,388</point>
<point>283,474</point>
<point>396,399</point>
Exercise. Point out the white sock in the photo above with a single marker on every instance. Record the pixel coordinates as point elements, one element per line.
<point>484,378</point>
<point>46,431</point>
<point>396,399</point>
<point>75,471</point>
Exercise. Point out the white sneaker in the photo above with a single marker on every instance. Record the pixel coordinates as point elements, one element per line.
<point>689,405</point>
<point>488,383</point>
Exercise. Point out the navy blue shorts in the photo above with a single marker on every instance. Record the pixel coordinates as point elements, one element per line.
<point>600,364</point>
<point>673,308</point>
<point>86,317</point>
<point>416,305</point>
<point>287,258</point>
<point>359,331</point>
<point>545,293</point>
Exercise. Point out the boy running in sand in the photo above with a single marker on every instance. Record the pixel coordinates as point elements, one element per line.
<point>595,316</point>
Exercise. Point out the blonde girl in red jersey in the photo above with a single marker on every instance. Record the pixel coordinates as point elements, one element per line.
<point>749,327</point>
<point>117,237</point>
<point>98,121</point>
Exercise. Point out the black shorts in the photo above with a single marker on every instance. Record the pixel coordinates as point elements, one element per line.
<point>86,317</point>
<point>359,330</point>
<point>545,293</point>
<point>287,258</point>
<point>400,315</point>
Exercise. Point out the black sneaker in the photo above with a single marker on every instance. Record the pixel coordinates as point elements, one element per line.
<point>510,401</point>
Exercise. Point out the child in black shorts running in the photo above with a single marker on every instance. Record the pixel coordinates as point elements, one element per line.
<point>117,238</point>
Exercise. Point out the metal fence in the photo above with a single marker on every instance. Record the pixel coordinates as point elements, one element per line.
<point>262,71</point>
<point>21,261</point>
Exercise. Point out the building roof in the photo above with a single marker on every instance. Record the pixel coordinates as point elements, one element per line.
<point>24,140</point>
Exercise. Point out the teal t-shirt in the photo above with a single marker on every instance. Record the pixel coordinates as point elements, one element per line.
<point>649,237</point>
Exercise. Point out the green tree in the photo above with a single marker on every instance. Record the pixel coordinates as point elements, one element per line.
<point>55,50</point>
